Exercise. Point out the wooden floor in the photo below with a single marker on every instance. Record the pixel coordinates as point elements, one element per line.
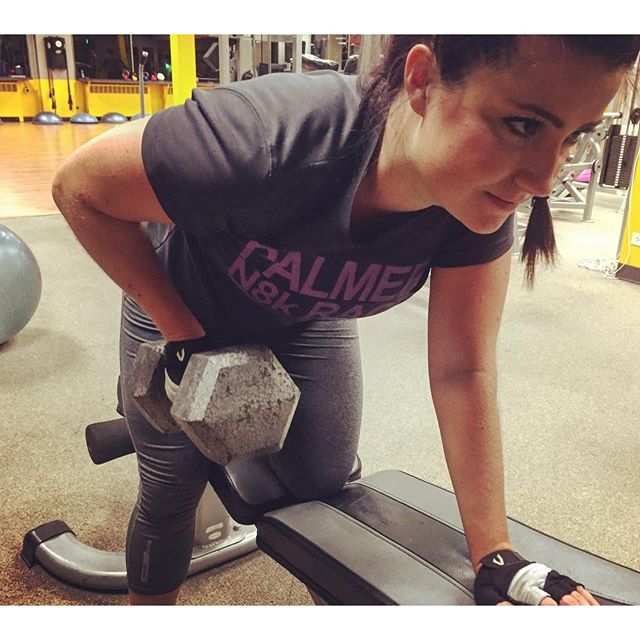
<point>29,156</point>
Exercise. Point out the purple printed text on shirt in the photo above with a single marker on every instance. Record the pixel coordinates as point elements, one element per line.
<point>295,285</point>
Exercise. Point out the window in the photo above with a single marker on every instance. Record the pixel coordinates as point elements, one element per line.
<point>116,57</point>
<point>14,56</point>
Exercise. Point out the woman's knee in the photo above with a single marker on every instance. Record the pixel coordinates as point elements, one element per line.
<point>310,480</point>
<point>170,502</point>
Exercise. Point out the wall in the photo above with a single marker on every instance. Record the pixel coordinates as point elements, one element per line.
<point>23,98</point>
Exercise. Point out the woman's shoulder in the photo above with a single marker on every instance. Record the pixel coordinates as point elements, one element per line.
<point>304,117</point>
<point>316,89</point>
<point>285,96</point>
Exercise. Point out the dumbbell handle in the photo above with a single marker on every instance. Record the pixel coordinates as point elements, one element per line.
<point>232,403</point>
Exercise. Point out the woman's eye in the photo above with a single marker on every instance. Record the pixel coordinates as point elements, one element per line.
<point>523,127</point>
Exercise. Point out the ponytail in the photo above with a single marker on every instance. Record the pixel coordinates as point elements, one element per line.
<point>539,240</point>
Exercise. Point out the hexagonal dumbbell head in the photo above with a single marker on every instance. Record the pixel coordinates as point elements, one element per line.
<point>236,403</point>
<point>148,387</point>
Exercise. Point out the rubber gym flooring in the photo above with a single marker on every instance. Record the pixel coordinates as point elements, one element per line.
<point>568,396</point>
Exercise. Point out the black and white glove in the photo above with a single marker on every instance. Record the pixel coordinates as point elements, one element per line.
<point>176,358</point>
<point>507,576</point>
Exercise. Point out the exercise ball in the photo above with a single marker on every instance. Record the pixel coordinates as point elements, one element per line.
<point>20,284</point>
<point>113,118</point>
<point>47,117</point>
<point>84,118</point>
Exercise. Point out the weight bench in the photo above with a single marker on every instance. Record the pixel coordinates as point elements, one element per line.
<point>388,538</point>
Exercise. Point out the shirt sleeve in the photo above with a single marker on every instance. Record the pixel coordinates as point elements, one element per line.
<point>206,158</point>
<point>465,248</point>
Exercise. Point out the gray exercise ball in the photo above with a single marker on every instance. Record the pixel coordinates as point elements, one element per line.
<point>47,117</point>
<point>84,118</point>
<point>114,118</point>
<point>20,284</point>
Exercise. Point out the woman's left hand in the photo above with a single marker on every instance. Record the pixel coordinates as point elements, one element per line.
<point>506,578</point>
<point>579,597</point>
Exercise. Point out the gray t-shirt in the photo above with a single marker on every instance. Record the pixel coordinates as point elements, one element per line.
<point>259,178</point>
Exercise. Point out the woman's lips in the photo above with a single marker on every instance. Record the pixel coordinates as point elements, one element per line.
<point>500,203</point>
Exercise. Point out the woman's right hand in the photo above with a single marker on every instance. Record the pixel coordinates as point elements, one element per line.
<point>176,357</point>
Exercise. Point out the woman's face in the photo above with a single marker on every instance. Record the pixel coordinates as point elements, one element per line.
<point>482,149</point>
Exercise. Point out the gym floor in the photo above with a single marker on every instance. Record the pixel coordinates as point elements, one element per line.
<point>568,392</point>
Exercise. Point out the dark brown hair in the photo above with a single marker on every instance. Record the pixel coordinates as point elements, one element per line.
<point>457,56</point>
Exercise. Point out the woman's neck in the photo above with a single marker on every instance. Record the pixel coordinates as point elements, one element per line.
<point>389,183</point>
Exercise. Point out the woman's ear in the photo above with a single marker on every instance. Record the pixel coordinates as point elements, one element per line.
<point>420,72</point>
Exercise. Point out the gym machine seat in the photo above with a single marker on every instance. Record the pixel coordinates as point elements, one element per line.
<point>388,538</point>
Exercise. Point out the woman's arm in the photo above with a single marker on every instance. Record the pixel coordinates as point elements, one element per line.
<point>465,310</point>
<point>103,192</point>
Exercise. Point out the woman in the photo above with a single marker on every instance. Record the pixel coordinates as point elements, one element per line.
<point>280,209</point>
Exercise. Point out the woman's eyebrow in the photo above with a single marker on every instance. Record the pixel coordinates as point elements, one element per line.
<point>543,113</point>
<point>555,121</point>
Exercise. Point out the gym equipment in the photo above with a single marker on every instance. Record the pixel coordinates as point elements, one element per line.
<point>311,62</point>
<point>389,538</point>
<point>233,403</point>
<point>351,65</point>
<point>47,117</point>
<point>55,51</point>
<point>629,243</point>
<point>56,57</point>
<point>620,151</point>
<point>83,118</point>
<point>113,118</point>
<point>143,60</point>
<point>218,539</point>
<point>568,192</point>
<point>618,157</point>
<point>20,284</point>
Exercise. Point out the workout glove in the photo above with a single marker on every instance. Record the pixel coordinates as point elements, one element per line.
<point>506,576</point>
<point>176,358</point>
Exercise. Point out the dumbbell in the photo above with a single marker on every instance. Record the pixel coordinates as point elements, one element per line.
<point>233,403</point>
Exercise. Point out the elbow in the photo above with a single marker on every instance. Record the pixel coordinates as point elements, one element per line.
<point>60,186</point>
<point>64,191</point>
<point>58,190</point>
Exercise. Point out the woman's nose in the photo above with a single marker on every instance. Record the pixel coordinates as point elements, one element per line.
<point>538,172</point>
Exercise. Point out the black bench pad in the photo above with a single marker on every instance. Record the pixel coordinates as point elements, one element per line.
<point>392,538</point>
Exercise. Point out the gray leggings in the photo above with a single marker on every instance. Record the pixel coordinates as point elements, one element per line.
<point>323,358</point>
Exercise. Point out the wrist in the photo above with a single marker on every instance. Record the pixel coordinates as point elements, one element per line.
<point>174,319</point>
<point>184,334</point>
<point>476,559</point>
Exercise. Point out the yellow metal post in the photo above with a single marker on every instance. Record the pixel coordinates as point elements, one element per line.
<point>629,260</point>
<point>183,66</point>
